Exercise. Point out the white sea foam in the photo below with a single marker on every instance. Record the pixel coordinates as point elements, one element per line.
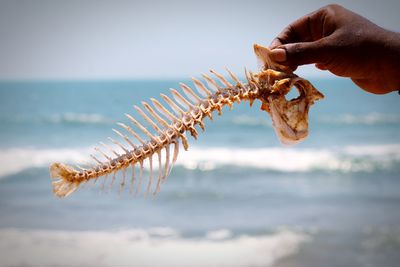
<point>18,159</point>
<point>282,159</point>
<point>277,158</point>
<point>84,118</point>
<point>219,234</point>
<point>138,247</point>
<point>392,150</point>
<point>352,158</point>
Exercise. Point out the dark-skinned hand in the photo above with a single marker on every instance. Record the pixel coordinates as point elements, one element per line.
<point>346,44</point>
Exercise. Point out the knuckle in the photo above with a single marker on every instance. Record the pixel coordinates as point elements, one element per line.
<point>331,9</point>
<point>297,48</point>
<point>294,53</point>
<point>277,42</point>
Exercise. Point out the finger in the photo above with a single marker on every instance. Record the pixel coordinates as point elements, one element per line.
<point>307,52</point>
<point>275,43</point>
<point>372,86</point>
<point>278,54</point>
<point>305,29</point>
<point>321,66</point>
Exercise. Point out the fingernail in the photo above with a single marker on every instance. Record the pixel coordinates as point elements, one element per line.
<point>278,54</point>
<point>274,43</point>
<point>321,66</point>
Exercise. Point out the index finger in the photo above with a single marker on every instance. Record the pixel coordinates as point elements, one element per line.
<point>305,29</point>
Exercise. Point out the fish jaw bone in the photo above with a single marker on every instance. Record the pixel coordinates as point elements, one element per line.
<point>289,117</point>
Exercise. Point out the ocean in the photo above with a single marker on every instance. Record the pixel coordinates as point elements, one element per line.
<point>236,198</point>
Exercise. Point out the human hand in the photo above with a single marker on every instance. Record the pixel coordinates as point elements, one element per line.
<point>346,44</point>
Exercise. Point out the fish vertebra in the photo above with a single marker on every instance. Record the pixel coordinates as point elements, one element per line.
<point>270,85</point>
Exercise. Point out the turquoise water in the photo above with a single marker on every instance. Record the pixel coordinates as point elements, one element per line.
<point>332,199</point>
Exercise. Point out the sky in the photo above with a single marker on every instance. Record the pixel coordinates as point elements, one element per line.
<point>75,40</point>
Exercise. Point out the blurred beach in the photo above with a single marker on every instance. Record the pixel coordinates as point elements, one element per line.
<point>236,198</point>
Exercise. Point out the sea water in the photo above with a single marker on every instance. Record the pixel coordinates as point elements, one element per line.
<point>236,198</point>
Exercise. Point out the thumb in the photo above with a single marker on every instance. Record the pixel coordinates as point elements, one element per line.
<point>303,53</point>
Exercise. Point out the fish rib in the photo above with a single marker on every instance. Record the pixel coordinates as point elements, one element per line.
<point>222,79</point>
<point>166,167</point>
<point>178,110</point>
<point>118,144</point>
<point>154,114</point>
<point>190,94</point>
<point>201,88</point>
<point>133,178</point>
<point>150,176</point>
<point>154,125</point>
<point>125,138</point>
<point>132,132</point>
<point>162,109</point>
<point>211,83</point>
<point>180,99</point>
<point>290,120</point>
<point>140,177</point>
<point>159,173</point>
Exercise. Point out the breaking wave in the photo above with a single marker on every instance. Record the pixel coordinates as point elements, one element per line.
<point>281,159</point>
<point>15,160</point>
<point>141,247</point>
<point>348,159</point>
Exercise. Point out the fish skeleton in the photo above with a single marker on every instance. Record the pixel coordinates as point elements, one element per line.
<point>170,122</point>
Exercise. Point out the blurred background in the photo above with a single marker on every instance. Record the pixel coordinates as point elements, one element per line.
<point>70,69</point>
